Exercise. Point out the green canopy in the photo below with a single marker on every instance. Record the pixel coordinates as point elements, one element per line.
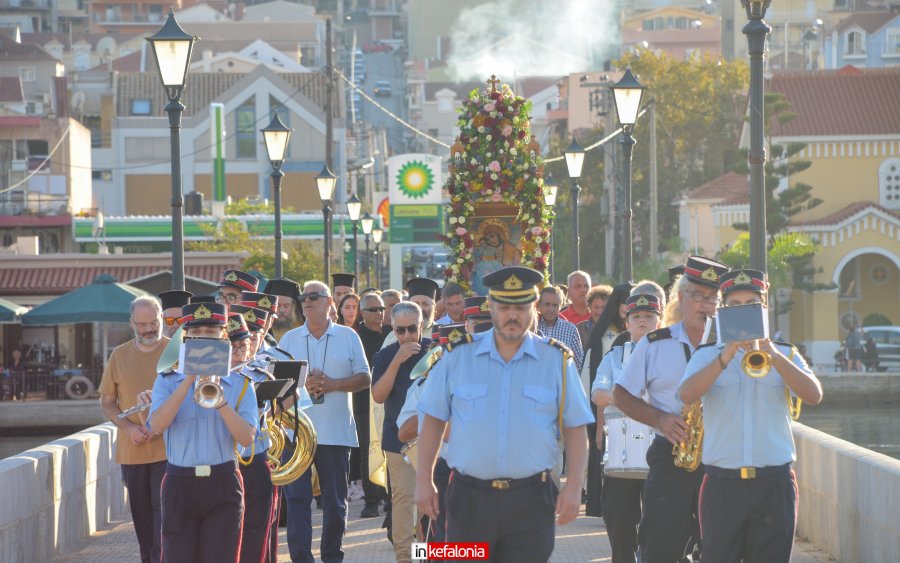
<point>10,312</point>
<point>104,300</point>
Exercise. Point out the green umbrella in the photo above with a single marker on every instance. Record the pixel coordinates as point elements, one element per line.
<point>104,300</point>
<point>10,312</point>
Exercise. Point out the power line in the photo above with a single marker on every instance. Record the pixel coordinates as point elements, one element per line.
<point>43,162</point>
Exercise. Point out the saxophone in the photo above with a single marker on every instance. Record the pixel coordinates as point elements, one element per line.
<point>689,452</point>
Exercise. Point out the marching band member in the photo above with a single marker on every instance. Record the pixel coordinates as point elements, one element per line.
<point>748,500</point>
<point>500,391</point>
<point>668,523</point>
<point>621,498</point>
<point>202,493</point>
<point>232,286</point>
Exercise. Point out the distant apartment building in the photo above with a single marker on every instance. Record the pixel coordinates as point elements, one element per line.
<point>678,32</point>
<point>866,40</point>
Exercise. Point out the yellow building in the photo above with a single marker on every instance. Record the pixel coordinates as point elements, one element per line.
<point>849,121</point>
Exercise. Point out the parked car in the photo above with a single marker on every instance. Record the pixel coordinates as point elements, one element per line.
<point>383,88</point>
<point>377,47</point>
<point>887,343</point>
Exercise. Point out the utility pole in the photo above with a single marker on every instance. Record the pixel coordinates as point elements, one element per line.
<point>654,197</point>
<point>329,131</point>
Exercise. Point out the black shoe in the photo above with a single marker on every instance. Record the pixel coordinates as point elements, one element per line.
<point>369,511</point>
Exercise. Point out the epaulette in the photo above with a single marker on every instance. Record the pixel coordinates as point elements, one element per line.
<point>466,339</point>
<point>288,354</point>
<point>259,369</point>
<point>659,334</point>
<point>270,340</point>
<point>168,372</point>
<point>557,344</point>
<point>621,339</point>
<point>707,345</point>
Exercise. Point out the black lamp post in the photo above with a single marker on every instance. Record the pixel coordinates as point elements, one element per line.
<point>325,182</point>
<point>354,206</point>
<point>574,162</point>
<point>367,223</point>
<point>277,136</point>
<point>377,234</point>
<point>172,48</point>
<point>627,93</point>
<point>550,190</point>
<point>757,31</point>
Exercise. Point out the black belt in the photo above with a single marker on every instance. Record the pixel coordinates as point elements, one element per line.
<point>201,470</point>
<point>501,484</point>
<point>747,472</point>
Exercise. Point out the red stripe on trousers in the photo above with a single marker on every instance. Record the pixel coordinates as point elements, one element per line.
<point>267,543</point>
<point>700,504</point>
<point>237,554</point>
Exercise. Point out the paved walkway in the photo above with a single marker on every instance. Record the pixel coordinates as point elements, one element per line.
<point>581,541</point>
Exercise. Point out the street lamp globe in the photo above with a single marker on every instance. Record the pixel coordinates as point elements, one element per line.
<point>276,136</point>
<point>377,234</point>
<point>354,207</point>
<point>367,223</point>
<point>756,9</point>
<point>550,190</point>
<point>627,93</point>
<point>172,50</point>
<point>325,183</point>
<point>574,159</point>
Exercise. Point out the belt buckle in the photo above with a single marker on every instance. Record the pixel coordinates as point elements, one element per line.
<point>748,473</point>
<point>202,471</point>
<point>500,484</point>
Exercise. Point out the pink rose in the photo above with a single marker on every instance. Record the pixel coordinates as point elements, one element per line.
<point>507,130</point>
<point>495,197</point>
<point>536,231</point>
<point>490,106</point>
<point>494,166</point>
<point>460,231</point>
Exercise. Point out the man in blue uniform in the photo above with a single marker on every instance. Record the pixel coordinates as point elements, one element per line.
<point>748,500</point>
<point>504,394</point>
<point>669,525</point>
<point>202,493</point>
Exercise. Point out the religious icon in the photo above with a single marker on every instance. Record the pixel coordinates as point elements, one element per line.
<point>495,247</point>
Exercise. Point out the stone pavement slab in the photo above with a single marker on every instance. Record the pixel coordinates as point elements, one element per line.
<point>584,540</point>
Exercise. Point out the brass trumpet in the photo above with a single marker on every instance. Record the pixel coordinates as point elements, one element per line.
<point>756,363</point>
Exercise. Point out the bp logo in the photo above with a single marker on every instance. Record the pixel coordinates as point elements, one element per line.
<point>415,179</point>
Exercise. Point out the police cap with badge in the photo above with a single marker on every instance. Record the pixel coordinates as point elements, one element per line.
<point>704,271</point>
<point>255,318</point>
<point>451,332</point>
<point>513,285</point>
<point>745,278</point>
<point>642,302</point>
<point>477,308</point>
<point>204,314</point>
<point>239,280</point>
<point>237,327</point>
<point>264,301</point>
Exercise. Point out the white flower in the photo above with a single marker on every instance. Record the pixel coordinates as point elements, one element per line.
<point>493,176</point>
<point>462,220</point>
<point>459,260</point>
<point>488,137</point>
<point>453,220</point>
<point>481,129</point>
<point>538,240</point>
<point>512,151</point>
<point>530,220</point>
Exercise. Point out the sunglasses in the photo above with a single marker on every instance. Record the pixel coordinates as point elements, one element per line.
<point>226,297</point>
<point>374,309</point>
<point>404,329</point>
<point>311,296</point>
<point>172,321</point>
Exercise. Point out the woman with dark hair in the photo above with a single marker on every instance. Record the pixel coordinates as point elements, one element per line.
<point>610,325</point>
<point>348,310</point>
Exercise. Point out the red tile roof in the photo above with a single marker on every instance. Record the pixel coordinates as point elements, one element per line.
<point>848,101</point>
<point>845,213</point>
<point>11,51</point>
<point>723,188</point>
<point>11,90</point>
<point>56,281</point>
<point>869,22</point>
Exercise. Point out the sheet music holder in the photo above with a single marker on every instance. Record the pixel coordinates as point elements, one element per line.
<point>293,370</point>
<point>742,322</point>
<point>205,356</point>
<point>271,390</point>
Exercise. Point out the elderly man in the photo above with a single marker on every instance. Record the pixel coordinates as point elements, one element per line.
<point>553,325</point>
<point>337,368</point>
<point>130,370</point>
<point>422,292</point>
<point>454,298</point>
<point>390,381</point>
<point>172,302</point>
<point>233,284</point>
<point>579,283</point>
<point>390,297</point>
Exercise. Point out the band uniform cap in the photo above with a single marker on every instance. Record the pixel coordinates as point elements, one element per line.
<point>240,280</point>
<point>202,299</point>
<point>343,279</point>
<point>255,318</point>
<point>513,285</point>
<point>745,278</point>
<point>422,286</point>
<point>477,307</point>
<point>675,271</point>
<point>237,327</point>
<point>482,327</point>
<point>642,302</point>
<point>210,314</point>
<point>175,298</point>
<point>262,301</point>
<point>436,333</point>
<point>284,287</point>
<point>451,332</point>
<point>704,271</point>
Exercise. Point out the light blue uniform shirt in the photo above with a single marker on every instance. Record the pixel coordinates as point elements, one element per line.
<point>656,367</point>
<point>262,442</point>
<point>197,435</point>
<point>339,353</point>
<point>610,370</point>
<point>746,420</point>
<point>503,415</point>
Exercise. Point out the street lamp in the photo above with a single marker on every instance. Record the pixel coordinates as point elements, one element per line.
<point>367,223</point>
<point>550,190</point>
<point>354,207</point>
<point>574,162</point>
<point>627,93</point>
<point>377,234</point>
<point>172,48</point>
<point>757,31</point>
<point>277,136</point>
<point>325,182</point>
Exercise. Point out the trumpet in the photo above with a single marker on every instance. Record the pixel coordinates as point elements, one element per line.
<point>756,363</point>
<point>208,392</point>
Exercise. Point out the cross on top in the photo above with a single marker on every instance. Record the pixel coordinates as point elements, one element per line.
<point>493,81</point>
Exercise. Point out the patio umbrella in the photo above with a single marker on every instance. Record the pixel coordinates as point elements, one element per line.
<point>10,312</point>
<point>103,300</point>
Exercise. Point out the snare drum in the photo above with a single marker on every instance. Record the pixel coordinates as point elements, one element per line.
<point>409,452</point>
<point>627,442</point>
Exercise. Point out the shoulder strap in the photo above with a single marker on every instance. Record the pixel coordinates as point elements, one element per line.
<point>659,334</point>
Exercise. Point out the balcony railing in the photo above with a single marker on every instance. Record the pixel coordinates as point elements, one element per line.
<point>24,4</point>
<point>33,203</point>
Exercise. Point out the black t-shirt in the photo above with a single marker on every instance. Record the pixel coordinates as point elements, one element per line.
<point>394,402</point>
<point>372,340</point>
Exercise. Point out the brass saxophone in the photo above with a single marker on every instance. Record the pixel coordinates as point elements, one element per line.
<point>688,453</point>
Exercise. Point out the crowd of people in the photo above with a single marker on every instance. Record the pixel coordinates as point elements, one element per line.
<point>494,418</point>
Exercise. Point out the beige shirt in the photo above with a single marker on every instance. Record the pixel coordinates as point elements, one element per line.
<point>128,372</point>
